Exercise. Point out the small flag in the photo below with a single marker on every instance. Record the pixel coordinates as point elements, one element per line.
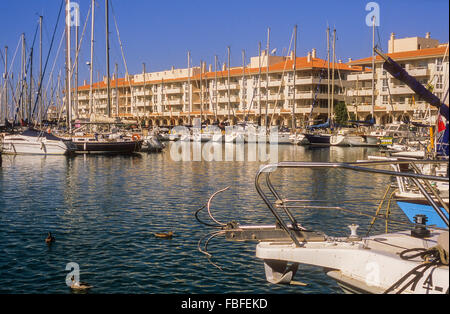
<point>441,124</point>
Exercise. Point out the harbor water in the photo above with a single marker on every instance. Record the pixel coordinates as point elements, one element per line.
<point>104,210</point>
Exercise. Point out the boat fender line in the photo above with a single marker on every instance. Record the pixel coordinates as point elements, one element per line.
<point>205,251</point>
<point>432,257</point>
<point>217,224</point>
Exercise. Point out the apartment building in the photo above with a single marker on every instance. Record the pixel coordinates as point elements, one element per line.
<point>265,87</point>
<point>423,58</point>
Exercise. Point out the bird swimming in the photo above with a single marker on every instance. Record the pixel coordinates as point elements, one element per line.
<point>49,238</point>
<point>79,285</point>
<point>167,235</point>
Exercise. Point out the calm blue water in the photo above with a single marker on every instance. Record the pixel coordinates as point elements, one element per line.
<point>103,211</point>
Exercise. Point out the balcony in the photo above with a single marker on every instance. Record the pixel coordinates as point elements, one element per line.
<point>83,97</point>
<point>304,95</point>
<point>360,92</point>
<point>173,101</point>
<point>422,71</point>
<point>359,77</point>
<point>401,89</point>
<point>233,99</point>
<point>274,83</point>
<point>173,90</point>
<point>276,96</point>
<point>142,93</point>
<point>142,104</point>
<point>224,86</point>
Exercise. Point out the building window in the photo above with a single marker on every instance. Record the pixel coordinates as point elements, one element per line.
<point>439,84</point>
<point>290,91</point>
<point>439,66</point>
<point>290,77</point>
<point>385,99</point>
<point>385,85</point>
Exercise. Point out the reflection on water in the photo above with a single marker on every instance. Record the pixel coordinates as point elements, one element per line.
<point>103,211</point>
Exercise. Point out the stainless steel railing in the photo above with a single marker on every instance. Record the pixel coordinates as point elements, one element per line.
<point>422,181</point>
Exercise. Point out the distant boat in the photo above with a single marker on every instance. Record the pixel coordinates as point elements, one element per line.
<point>347,137</point>
<point>36,142</point>
<point>318,138</point>
<point>98,144</point>
<point>299,139</point>
<point>151,144</point>
<point>235,135</point>
<point>283,136</point>
<point>201,135</point>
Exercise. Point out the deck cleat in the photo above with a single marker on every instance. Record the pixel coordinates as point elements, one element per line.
<point>353,235</point>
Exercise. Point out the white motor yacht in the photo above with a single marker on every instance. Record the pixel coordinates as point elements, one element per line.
<point>35,142</point>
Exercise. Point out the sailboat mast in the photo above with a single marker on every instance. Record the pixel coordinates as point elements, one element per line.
<point>332,79</point>
<point>30,90</point>
<point>108,87</point>
<point>40,62</point>
<point>76,70</point>
<point>6,84</point>
<point>145,90</point>
<point>22,79</point>
<point>201,92</point>
<point>267,78</point>
<point>295,71</point>
<point>228,49</point>
<point>373,67</point>
<point>215,87</point>
<point>259,84</point>
<point>116,77</point>
<point>243,81</point>
<point>91,68</point>
<point>328,66</point>
<point>189,88</point>
<point>68,67</point>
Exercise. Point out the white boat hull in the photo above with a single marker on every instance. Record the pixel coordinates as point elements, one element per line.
<point>25,145</point>
<point>235,138</point>
<point>370,265</point>
<point>280,138</point>
<point>202,137</point>
<point>353,140</point>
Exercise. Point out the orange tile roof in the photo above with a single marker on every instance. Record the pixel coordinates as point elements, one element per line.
<point>121,82</point>
<point>287,65</point>
<point>405,55</point>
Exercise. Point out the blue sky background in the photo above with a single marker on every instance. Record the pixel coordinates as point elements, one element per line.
<point>160,33</point>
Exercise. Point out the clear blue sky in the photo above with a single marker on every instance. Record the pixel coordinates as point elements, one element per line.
<point>160,33</point>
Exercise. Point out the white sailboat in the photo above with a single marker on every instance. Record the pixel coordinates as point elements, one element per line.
<point>349,137</point>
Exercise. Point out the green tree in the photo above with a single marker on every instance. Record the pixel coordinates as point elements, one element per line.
<point>340,113</point>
